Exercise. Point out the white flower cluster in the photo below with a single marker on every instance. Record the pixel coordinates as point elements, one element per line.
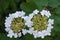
<point>29,24</point>
<point>8,22</point>
<point>45,32</point>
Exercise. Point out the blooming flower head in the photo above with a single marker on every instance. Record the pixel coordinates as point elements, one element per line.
<point>41,23</point>
<point>15,24</point>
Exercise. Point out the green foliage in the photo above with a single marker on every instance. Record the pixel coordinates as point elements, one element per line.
<point>4,4</point>
<point>54,3</point>
<point>57,10</point>
<point>30,5</point>
<point>10,6</point>
<point>57,23</point>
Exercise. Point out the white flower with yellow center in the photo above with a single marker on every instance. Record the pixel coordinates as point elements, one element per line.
<point>41,24</point>
<point>15,24</point>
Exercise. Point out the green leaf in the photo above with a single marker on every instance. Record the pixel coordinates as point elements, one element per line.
<point>54,3</point>
<point>56,18</point>
<point>3,36</point>
<point>47,38</point>
<point>57,10</point>
<point>4,4</point>
<point>17,1</point>
<point>31,5</point>
<point>12,6</point>
<point>0,8</point>
<point>39,2</point>
<point>28,7</point>
<point>26,37</point>
<point>57,23</point>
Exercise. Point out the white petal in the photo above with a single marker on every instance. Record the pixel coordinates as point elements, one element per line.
<point>7,29</point>
<point>7,25</point>
<point>24,31</point>
<point>46,13</point>
<point>15,15</point>
<point>49,26</point>
<point>51,21</point>
<point>15,35</point>
<point>10,32</point>
<point>42,12</point>
<point>19,34</point>
<point>22,13</point>
<point>35,32</point>
<point>35,11</point>
<point>9,35</point>
<point>42,36</point>
<point>31,15</point>
<point>49,34</point>
<point>35,36</point>
<point>30,30</point>
<point>28,23</point>
<point>26,18</point>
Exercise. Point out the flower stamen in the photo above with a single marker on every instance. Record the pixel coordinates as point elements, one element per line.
<point>40,22</point>
<point>17,24</point>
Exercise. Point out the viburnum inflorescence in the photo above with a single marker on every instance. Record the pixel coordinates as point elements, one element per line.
<point>15,24</point>
<point>38,23</point>
<point>41,23</point>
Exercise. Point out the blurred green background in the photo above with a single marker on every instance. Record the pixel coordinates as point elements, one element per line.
<point>11,6</point>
